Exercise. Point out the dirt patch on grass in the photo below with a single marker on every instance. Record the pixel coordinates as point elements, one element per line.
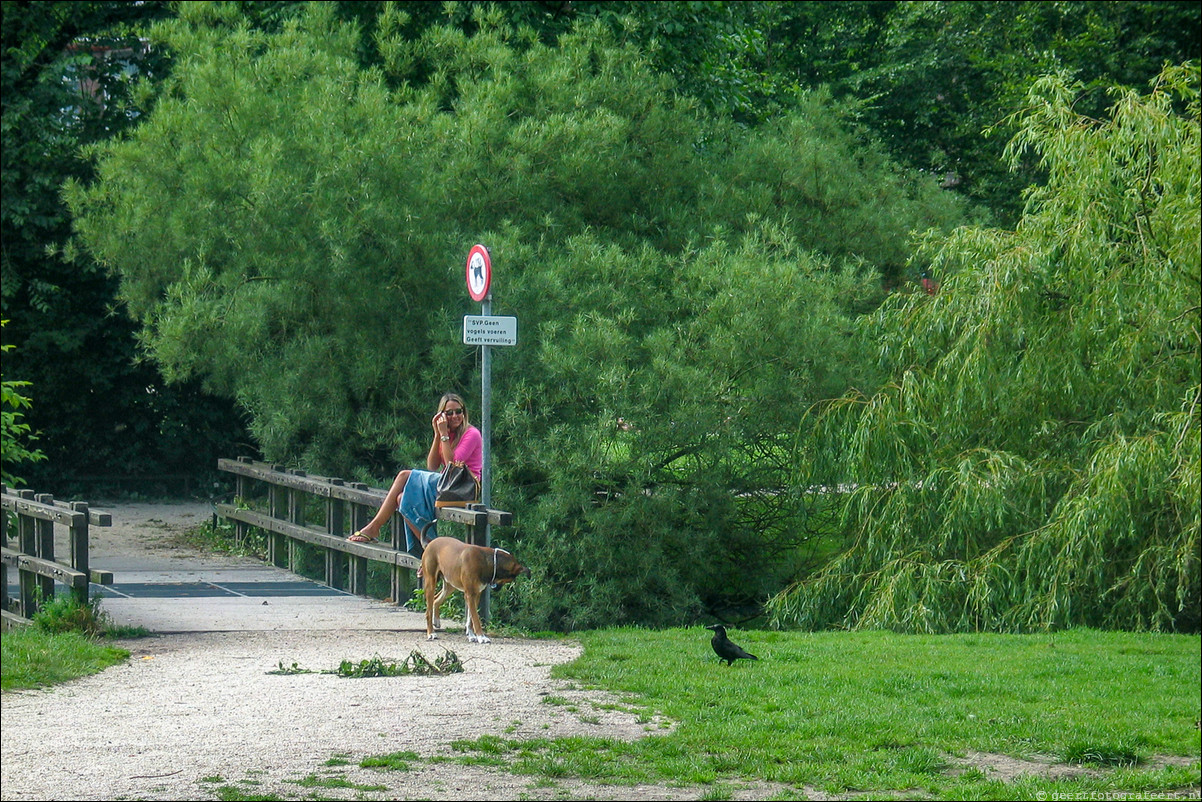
<point>1008,769</point>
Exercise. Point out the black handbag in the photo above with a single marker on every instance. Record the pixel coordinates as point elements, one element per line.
<point>457,487</point>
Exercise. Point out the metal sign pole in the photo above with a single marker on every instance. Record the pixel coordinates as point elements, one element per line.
<point>486,433</point>
<point>486,414</point>
<point>482,331</point>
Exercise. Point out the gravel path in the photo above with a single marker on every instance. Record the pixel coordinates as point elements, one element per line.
<point>194,712</point>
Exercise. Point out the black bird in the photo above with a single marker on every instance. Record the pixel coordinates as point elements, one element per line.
<point>725,649</point>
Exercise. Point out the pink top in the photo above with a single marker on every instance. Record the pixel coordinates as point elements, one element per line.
<point>470,451</point>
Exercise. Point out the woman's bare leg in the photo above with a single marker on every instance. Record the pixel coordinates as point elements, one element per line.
<point>372,530</point>
<point>417,533</point>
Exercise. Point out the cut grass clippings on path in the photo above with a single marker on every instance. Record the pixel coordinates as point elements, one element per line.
<point>848,713</point>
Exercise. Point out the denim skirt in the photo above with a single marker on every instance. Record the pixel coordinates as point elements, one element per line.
<point>417,505</point>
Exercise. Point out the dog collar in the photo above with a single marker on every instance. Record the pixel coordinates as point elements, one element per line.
<point>494,584</point>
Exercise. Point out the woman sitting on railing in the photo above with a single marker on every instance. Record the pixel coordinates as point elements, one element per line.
<point>413,491</point>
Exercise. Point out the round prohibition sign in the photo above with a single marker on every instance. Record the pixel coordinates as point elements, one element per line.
<point>479,273</point>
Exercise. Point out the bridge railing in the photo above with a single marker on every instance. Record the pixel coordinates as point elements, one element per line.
<point>292,501</point>
<point>34,516</point>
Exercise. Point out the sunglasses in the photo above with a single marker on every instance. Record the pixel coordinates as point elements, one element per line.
<point>449,411</point>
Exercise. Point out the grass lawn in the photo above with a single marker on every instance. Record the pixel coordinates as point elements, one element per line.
<point>33,658</point>
<point>858,713</point>
<point>1096,715</point>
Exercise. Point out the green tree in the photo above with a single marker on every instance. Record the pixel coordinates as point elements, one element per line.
<point>260,238</point>
<point>647,423</point>
<point>927,78</point>
<point>68,74</point>
<point>15,434</point>
<point>940,75</point>
<point>290,228</point>
<point>1034,461</point>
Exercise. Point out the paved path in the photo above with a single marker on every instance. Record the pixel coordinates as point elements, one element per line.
<point>167,586</point>
<point>167,598</point>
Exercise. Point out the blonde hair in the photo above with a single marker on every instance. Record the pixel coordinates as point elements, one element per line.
<point>446,397</point>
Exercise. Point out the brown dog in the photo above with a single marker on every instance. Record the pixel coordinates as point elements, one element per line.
<point>469,568</point>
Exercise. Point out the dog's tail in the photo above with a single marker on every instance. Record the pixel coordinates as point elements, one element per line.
<point>424,538</point>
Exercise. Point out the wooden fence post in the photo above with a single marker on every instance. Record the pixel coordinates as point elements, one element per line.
<point>3,566</point>
<point>335,525</point>
<point>360,514</point>
<point>45,543</point>
<point>79,548</point>
<point>396,580</point>
<point>240,482</point>
<point>27,537</point>
<point>277,506</point>
<point>296,515</point>
<point>357,566</point>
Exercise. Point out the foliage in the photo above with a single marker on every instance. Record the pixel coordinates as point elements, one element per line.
<point>290,229</point>
<point>64,613</point>
<point>1034,461</point>
<point>928,79</point>
<point>220,535</point>
<point>245,275</point>
<point>452,606</point>
<point>653,415</point>
<point>15,434</point>
<point>941,75</point>
<point>417,663</point>
<point>69,72</point>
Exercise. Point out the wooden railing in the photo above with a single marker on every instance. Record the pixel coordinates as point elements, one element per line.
<point>289,503</point>
<point>35,517</point>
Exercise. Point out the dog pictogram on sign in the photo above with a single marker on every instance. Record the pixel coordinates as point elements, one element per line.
<point>479,272</point>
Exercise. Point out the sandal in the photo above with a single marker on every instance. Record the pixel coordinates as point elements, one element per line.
<point>361,537</point>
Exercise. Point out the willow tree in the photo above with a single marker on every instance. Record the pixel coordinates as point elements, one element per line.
<point>1034,462</point>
